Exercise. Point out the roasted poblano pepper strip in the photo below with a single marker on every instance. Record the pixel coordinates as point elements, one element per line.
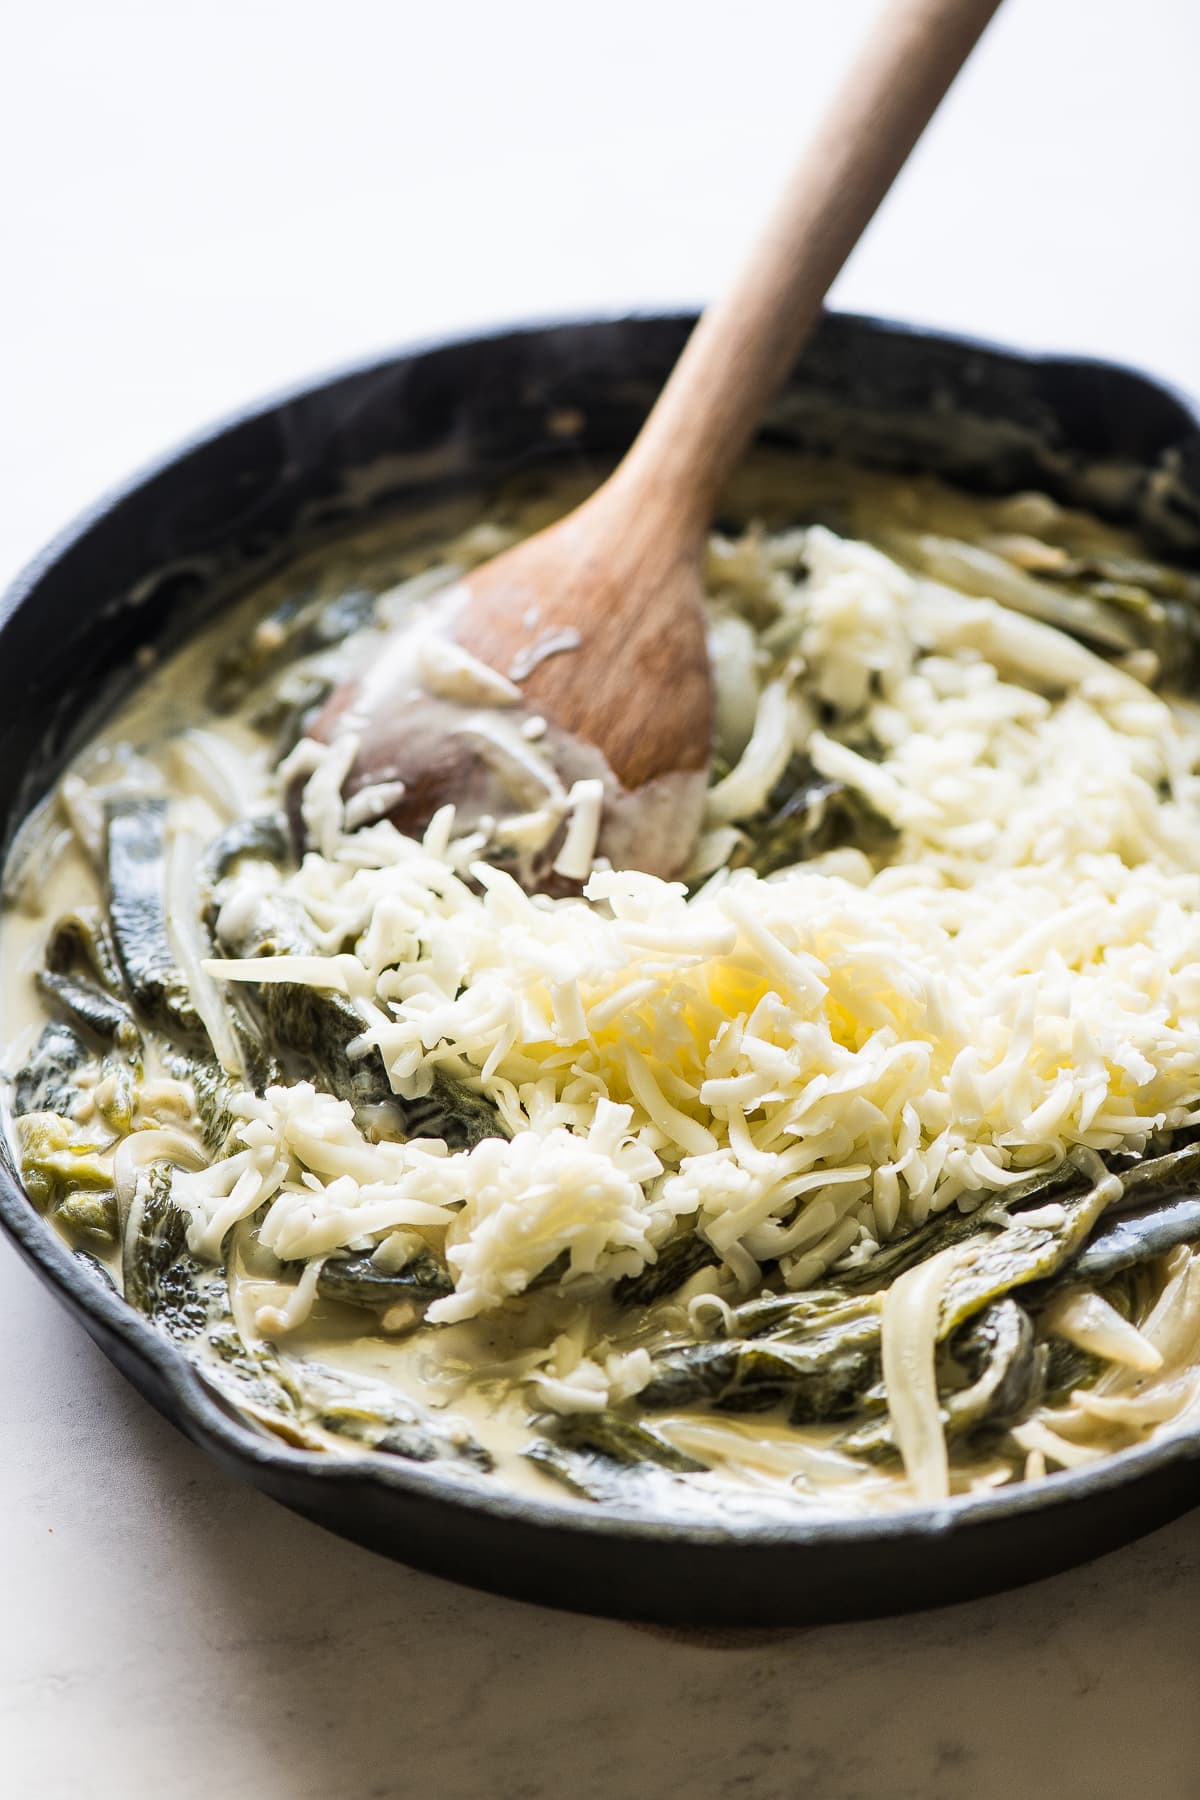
<point>678,1261</point>
<point>264,837</point>
<point>622,1441</point>
<point>308,1029</point>
<point>819,1378</point>
<point>452,1112</point>
<point>829,1357</point>
<point>799,1315</point>
<point>214,1091</point>
<point>938,1233</point>
<point>251,1375</point>
<point>303,1399</point>
<point>80,944</point>
<point>1137,1238</point>
<point>1174,1172</point>
<point>46,1082</point>
<point>161,1277</point>
<point>383,1420</point>
<point>640,1488</point>
<point>953,1226</point>
<point>55,1159</point>
<point>300,1399</point>
<point>310,1032</point>
<point>359,1281</point>
<point>190,1301</point>
<point>589,1477</point>
<point>68,1178</point>
<point>313,1031</point>
<point>82,983</point>
<point>137,911</point>
<point>1023,1253</point>
<point>89,1007</point>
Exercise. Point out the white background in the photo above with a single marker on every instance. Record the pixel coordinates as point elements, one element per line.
<point>202,201</point>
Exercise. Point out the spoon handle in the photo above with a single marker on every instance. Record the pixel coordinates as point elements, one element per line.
<point>747,341</point>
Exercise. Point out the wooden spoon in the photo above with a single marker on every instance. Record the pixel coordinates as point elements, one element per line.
<point>617,584</point>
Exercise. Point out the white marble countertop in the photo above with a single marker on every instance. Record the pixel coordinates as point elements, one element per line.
<point>206,201</point>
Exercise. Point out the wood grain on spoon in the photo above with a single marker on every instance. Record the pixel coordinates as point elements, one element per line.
<point>621,577</point>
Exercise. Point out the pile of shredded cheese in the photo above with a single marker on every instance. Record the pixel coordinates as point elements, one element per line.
<point>797,1067</point>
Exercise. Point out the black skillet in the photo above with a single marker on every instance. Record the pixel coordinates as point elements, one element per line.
<point>154,558</point>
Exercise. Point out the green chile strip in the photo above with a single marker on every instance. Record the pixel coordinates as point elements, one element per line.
<point>359,1281</point>
<point>824,1372</point>
<point>136,906</point>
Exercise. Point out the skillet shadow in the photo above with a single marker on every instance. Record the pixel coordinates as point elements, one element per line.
<point>329,1671</point>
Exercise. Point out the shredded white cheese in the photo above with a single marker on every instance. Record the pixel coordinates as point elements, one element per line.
<point>586,801</point>
<point>802,1065</point>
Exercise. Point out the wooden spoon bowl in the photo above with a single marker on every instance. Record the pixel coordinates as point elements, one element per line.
<point>571,617</point>
<point>597,624</point>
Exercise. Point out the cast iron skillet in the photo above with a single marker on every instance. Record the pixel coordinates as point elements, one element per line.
<point>154,558</point>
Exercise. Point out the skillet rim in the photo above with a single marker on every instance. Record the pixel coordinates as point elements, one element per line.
<point>149,1358</point>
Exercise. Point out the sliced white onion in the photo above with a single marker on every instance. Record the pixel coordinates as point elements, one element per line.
<point>761,763</point>
<point>277,1321</point>
<point>911,1307</point>
<point>210,768</point>
<point>1085,1318</point>
<point>132,1156</point>
<point>183,929</point>
<point>141,1148</point>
